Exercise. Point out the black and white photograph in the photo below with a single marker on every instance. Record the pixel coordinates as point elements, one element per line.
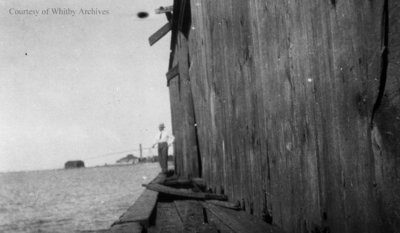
<point>200,116</point>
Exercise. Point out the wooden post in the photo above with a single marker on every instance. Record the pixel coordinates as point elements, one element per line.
<point>141,151</point>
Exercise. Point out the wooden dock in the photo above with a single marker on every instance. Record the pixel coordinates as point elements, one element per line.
<point>170,204</point>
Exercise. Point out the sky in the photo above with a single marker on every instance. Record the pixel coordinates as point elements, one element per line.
<point>80,86</point>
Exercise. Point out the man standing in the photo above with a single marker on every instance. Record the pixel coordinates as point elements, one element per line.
<point>163,140</point>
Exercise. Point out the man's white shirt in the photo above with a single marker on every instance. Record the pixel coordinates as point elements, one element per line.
<point>164,136</point>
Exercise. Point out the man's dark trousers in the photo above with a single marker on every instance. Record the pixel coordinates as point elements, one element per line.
<point>163,156</point>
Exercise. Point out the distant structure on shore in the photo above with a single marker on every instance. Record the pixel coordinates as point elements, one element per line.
<point>74,164</point>
<point>129,159</point>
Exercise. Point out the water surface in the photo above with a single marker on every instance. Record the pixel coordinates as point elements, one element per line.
<point>70,200</point>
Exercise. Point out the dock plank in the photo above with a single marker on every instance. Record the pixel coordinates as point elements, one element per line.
<point>207,228</point>
<point>167,219</point>
<point>225,204</point>
<point>212,219</point>
<point>240,222</point>
<point>192,216</point>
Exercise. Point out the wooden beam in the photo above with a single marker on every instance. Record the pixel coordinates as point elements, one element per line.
<point>225,204</point>
<point>172,73</point>
<point>178,182</point>
<point>199,184</point>
<point>141,210</point>
<point>184,193</point>
<point>166,9</point>
<point>199,181</point>
<point>131,227</point>
<point>159,179</point>
<point>160,33</point>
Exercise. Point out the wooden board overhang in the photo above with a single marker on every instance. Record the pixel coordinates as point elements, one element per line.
<point>162,10</point>
<point>160,33</point>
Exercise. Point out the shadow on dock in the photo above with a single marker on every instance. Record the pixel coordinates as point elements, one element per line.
<point>171,204</point>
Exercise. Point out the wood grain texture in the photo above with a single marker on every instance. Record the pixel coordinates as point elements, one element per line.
<point>296,106</point>
<point>167,219</point>
<point>240,222</point>
<point>191,214</point>
<point>182,109</point>
<point>386,127</point>
<point>225,204</point>
<point>212,219</point>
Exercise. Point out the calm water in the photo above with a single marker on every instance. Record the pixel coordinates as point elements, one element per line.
<point>69,200</point>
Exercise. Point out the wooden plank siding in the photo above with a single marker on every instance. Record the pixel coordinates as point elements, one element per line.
<point>386,129</point>
<point>183,119</point>
<point>297,107</point>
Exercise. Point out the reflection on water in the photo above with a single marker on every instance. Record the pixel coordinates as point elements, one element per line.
<point>69,200</point>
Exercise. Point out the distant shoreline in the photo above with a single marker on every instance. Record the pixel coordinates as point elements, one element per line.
<point>63,169</point>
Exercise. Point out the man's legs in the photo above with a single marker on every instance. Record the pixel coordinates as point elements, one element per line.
<point>163,156</point>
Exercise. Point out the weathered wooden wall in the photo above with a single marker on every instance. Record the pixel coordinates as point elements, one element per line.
<point>386,132</point>
<point>183,118</point>
<point>297,106</point>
